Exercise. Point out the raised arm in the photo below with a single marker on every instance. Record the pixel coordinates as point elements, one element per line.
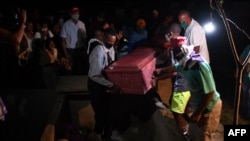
<point>9,37</point>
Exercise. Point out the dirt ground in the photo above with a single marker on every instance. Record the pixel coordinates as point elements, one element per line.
<point>164,89</point>
<point>165,126</point>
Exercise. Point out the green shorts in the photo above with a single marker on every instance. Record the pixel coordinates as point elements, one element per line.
<point>179,101</point>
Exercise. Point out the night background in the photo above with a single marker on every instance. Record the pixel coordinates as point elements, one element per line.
<point>221,56</point>
<point>222,60</point>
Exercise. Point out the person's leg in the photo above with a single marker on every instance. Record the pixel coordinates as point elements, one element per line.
<point>213,122</point>
<point>178,105</point>
<point>207,126</point>
<point>98,105</point>
<point>157,99</point>
<point>181,122</point>
<point>119,112</point>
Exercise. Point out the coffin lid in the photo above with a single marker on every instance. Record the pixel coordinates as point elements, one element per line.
<point>135,60</point>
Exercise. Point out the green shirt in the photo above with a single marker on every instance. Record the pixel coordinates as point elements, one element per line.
<point>200,82</point>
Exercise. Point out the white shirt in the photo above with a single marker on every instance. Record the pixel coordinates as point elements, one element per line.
<point>38,34</point>
<point>29,41</point>
<point>196,36</point>
<point>73,33</point>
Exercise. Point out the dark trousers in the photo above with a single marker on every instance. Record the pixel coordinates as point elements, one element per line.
<point>79,61</point>
<point>100,104</point>
<point>112,111</point>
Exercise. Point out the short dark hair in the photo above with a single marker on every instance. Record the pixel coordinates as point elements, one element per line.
<point>185,12</point>
<point>108,32</point>
<point>175,28</point>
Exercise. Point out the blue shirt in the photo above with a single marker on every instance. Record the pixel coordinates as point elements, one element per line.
<point>180,83</point>
<point>136,38</point>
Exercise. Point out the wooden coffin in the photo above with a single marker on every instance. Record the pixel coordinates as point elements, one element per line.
<point>133,72</point>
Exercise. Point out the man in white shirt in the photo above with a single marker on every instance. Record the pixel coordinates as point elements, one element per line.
<point>194,34</point>
<point>74,35</point>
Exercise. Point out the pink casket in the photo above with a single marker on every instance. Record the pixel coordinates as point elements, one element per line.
<point>133,72</point>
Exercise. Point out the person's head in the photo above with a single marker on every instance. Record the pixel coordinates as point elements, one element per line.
<point>60,19</point>
<point>109,38</point>
<point>99,34</point>
<point>184,18</point>
<point>169,18</point>
<point>50,44</point>
<point>120,33</point>
<point>100,16</point>
<point>45,26</point>
<point>182,53</point>
<point>75,13</point>
<point>140,25</point>
<point>155,14</point>
<point>174,30</point>
<point>105,25</point>
<point>56,29</point>
<point>30,26</point>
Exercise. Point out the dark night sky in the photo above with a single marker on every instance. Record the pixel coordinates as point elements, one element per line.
<point>221,55</point>
<point>236,10</point>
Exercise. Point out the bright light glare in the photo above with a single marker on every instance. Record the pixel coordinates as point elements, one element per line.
<point>209,27</point>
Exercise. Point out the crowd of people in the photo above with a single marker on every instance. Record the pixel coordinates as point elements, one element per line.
<point>46,47</point>
<point>71,34</point>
